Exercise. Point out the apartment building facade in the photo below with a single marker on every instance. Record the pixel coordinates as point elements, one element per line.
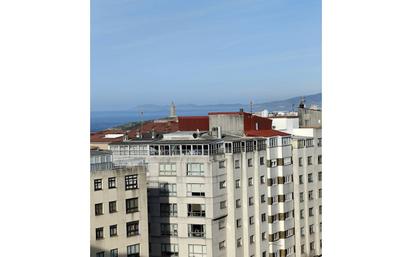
<point>118,209</point>
<point>223,192</point>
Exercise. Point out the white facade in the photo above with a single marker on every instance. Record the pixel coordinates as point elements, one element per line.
<point>118,212</point>
<point>231,197</point>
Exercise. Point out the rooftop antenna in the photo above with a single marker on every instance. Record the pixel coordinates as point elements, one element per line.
<point>141,125</point>
<point>251,107</point>
<point>302,102</point>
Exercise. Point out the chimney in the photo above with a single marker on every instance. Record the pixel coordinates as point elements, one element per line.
<point>241,110</point>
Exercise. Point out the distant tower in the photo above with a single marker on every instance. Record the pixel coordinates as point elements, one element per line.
<point>172,110</point>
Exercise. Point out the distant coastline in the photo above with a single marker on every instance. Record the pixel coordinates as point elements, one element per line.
<point>101,120</point>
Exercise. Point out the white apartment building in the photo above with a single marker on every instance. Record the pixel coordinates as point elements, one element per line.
<point>228,191</point>
<point>118,209</point>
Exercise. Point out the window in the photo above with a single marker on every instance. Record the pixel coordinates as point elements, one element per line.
<point>112,182</point>
<point>320,209</point>
<point>167,229</point>
<point>302,214</point>
<point>112,207</point>
<point>262,160</point>
<point>237,164</point>
<point>196,230</point>
<point>320,193</point>
<point>132,205</point>
<point>264,253</point>
<point>168,209</point>
<point>132,228</point>
<point>312,246</point>
<point>309,160</point>
<point>170,250</point>
<point>98,209</point>
<point>311,229</point>
<point>222,245</point>
<point>99,233</point>
<point>300,161</point>
<point>262,198</point>
<point>223,205</point>
<point>320,159</point>
<point>222,184</point>
<point>320,176</point>
<point>263,217</point>
<point>196,210</point>
<point>222,224</point>
<point>302,248</point>
<point>221,164</point>
<point>98,184</point>
<point>251,201</point>
<point>249,163</point>
<point>133,250</point>
<point>167,169</point>
<point>264,237</point>
<point>302,231</point>
<point>310,195</point>
<point>239,242</point>
<point>131,182</point>
<point>195,189</point>
<point>100,254</point>
<point>310,212</point>
<point>113,230</point>
<point>310,178</point>
<point>238,203</point>
<point>251,220</point>
<point>262,179</point>
<point>301,197</point>
<point>320,227</point>
<point>237,183</point>
<point>301,179</point>
<point>167,189</point>
<point>319,141</point>
<point>114,253</point>
<point>239,223</point>
<point>197,250</point>
<point>195,169</point>
<point>250,181</point>
<point>252,239</point>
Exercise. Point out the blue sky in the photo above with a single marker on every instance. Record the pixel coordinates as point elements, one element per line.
<point>203,52</point>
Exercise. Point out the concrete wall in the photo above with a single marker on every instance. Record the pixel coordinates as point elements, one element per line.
<point>118,194</point>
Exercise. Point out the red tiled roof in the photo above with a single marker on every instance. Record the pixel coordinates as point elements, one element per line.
<point>265,133</point>
<point>192,123</point>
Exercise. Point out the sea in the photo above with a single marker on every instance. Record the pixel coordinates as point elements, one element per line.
<point>100,120</point>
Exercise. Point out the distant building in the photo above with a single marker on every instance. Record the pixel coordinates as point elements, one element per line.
<point>118,209</point>
<point>309,117</point>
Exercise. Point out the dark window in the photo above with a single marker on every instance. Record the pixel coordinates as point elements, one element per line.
<point>133,250</point>
<point>113,230</point>
<point>98,209</point>
<point>131,182</point>
<point>112,182</point>
<point>168,209</point>
<point>249,162</point>
<point>114,253</point>
<point>112,207</point>
<point>132,228</point>
<point>100,254</point>
<point>99,233</point>
<point>263,217</point>
<point>98,184</point>
<point>262,160</point>
<point>132,205</point>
